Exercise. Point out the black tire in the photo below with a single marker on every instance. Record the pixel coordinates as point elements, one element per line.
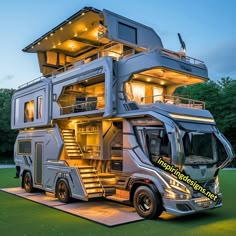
<point>63,191</point>
<point>147,203</point>
<point>28,182</point>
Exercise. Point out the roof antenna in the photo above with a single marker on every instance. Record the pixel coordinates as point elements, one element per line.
<point>183,46</point>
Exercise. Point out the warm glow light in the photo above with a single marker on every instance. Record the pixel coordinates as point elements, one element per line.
<point>69,22</point>
<point>46,38</point>
<point>85,29</point>
<point>61,28</point>
<point>59,44</point>
<point>32,47</point>
<point>51,34</point>
<point>38,43</point>
<point>83,14</point>
<point>54,46</point>
<point>176,116</point>
<point>148,79</point>
<point>75,35</point>
<point>162,82</point>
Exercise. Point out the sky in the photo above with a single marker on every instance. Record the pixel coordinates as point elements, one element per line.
<point>207,27</point>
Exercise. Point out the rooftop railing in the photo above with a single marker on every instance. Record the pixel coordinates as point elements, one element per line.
<point>173,100</point>
<point>182,56</point>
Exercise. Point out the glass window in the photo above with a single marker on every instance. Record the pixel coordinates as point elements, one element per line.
<point>158,144</point>
<point>29,111</point>
<point>127,33</point>
<point>39,107</point>
<point>199,148</point>
<point>24,147</point>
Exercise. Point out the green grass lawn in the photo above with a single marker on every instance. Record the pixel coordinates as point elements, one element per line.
<point>23,217</point>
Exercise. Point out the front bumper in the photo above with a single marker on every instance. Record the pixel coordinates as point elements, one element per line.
<point>194,205</point>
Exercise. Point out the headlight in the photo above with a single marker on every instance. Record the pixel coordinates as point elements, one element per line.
<point>178,186</point>
<point>177,191</point>
<point>170,194</point>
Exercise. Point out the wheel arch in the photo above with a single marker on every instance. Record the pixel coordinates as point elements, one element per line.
<point>137,184</point>
<point>62,178</point>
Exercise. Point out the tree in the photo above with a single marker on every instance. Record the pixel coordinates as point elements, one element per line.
<point>7,136</point>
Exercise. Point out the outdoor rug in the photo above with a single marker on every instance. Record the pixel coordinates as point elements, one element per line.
<point>101,211</point>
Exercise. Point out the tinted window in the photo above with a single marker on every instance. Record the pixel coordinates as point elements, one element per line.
<point>127,33</point>
<point>24,147</point>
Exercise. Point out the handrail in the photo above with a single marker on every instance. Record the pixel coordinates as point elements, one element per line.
<point>175,100</point>
<point>182,56</point>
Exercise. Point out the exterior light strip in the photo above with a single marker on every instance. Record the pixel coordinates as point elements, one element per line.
<point>192,118</point>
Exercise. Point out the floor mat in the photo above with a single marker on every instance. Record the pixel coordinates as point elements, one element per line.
<point>101,211</point>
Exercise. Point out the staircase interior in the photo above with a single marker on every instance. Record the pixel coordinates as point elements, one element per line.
<point>73,150</point>
<point>96,184</point>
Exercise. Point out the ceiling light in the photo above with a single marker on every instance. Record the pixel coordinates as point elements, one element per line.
<point>51,34</point>
<point>46,38</point>
<point>38,43</point>
<point>61,28</point>
<point>162,82</point>
<point>69,22</point>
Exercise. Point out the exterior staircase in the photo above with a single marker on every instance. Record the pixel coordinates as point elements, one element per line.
<point>96,185</point>
<point>72,148</point>
<point>91,181</point>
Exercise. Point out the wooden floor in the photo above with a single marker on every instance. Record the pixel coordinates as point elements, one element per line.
<point>100,210</point>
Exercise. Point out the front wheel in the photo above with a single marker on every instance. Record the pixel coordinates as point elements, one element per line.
<point>147,203</point>
<point>63,191</point>
<point>28,182</point>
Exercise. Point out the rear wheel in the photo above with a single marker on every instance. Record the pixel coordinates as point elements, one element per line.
<point>63,191</point>
<point>147,203</point>
<point>28,182</point>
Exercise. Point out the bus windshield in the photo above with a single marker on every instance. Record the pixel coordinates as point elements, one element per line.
<point>199,148</point>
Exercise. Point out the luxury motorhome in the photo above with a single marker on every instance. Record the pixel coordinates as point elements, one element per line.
<point>103,113</point>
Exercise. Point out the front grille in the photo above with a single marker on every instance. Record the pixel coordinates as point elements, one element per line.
<point>183,207</point>
<point>208,185</point>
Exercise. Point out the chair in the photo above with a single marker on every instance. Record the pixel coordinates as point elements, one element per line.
<point>80,104</point>
<point>91,103</point>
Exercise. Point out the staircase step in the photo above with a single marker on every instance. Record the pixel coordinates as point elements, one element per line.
<point>91,180</point>
<point>90,175</point>
<point>86,167</point>
<point>94,190</point>
<point>71,146</point>
<point>92,185</point>
<point>67,130</point>
<point>69,139</point>
<point>73,154</point>
<point>94,195</point>
<point>74,151</point>
<point>87,171</point>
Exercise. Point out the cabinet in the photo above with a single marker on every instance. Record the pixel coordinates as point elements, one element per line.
<point>89,139</point>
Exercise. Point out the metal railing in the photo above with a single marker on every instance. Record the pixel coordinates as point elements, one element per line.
<point>81,107</point>
<point>183,57</point>
<point>173,100</point>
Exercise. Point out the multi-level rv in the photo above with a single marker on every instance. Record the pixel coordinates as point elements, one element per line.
<point>103,113</point>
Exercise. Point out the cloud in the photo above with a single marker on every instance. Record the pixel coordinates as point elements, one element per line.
<point>7,77</point>
<point>220,60</point>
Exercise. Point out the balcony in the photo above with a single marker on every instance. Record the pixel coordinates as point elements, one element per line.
<point>173,100</point>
